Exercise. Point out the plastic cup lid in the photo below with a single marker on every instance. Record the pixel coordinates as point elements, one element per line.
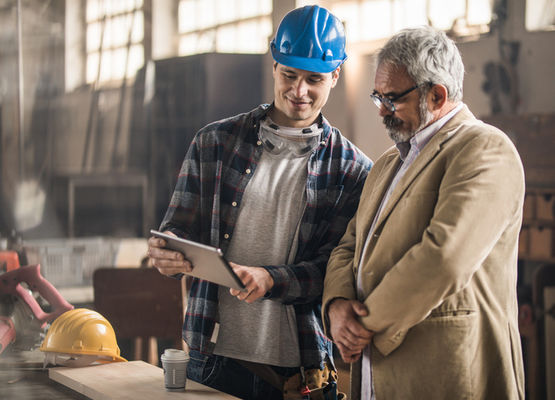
<point>174,355</point>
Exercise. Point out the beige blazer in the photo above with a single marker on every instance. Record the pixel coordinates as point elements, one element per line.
<point>439,276</point>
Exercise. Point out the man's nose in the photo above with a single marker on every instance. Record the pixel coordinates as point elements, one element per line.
<point>383,111</point>
<point>301,88</point>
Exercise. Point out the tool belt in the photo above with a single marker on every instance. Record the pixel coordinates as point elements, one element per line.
<point>313,384</point>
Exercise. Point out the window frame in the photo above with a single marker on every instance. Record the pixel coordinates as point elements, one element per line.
<point>127,44</point>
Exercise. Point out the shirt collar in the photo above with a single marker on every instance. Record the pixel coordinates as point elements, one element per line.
<point>422,137</point>
<point>262,110</point>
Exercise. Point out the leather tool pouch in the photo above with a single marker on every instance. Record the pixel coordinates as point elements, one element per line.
<point>327,392</point>
<point>317,384</point>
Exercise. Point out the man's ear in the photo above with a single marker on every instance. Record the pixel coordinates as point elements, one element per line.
<point>335,76</point>
<point>437,96</point>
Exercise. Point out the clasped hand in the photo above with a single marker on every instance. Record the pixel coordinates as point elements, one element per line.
<point>349,335</point>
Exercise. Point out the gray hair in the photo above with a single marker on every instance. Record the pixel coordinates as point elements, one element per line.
<point>429,57</point>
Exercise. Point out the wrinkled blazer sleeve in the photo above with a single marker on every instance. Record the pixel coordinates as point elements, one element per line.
<point>340,280</point>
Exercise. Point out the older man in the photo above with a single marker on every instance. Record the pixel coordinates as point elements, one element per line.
<point>423,283</point>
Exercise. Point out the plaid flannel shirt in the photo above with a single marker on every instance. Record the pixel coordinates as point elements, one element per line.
<point>204,207</point>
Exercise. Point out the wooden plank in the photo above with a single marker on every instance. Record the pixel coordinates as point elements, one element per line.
<point>134,380</point>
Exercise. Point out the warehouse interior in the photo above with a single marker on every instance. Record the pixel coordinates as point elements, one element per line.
<point>100,99</point>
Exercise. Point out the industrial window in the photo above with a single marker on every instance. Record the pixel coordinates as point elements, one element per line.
<point>540,15</point>
<point>224,26</point>
<point>368,20</point>
<point>114,39</point>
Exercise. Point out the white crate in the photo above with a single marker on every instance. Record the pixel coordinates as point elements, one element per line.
<point>71,262</point>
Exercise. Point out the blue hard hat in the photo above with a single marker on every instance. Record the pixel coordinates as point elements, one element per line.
<point>310,38</point>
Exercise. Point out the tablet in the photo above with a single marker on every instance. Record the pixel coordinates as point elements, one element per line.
<point>208,262</point>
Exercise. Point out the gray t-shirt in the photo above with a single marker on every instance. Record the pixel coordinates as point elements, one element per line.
<point>265,234</point>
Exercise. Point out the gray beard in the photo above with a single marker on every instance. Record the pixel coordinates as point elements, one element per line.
<point>392,124</point>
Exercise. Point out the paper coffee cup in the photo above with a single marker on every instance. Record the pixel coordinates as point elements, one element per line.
<point>174,363</point>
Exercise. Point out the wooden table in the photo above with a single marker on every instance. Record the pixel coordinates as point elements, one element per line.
<point>134,380</point>
<point>26,384</point>
<point>22,378</point>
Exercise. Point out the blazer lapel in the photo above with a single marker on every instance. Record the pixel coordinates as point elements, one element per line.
<point>379,188</point>
<point>426,155</point>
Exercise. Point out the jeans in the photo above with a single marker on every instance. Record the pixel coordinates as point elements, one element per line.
<point>228,376</point>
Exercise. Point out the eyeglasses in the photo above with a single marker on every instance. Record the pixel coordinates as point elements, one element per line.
<point>387,102</point>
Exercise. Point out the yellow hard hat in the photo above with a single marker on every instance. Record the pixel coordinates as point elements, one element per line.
<point>82,332</point>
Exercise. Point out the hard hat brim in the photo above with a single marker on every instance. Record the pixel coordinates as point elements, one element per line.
<point>304,63</point>
<point>113,356</point>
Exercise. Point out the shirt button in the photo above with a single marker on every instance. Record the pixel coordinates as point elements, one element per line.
<point>248,171</point>
<point>258,142</point>
<point>234,204</point>
<point>226,236</point>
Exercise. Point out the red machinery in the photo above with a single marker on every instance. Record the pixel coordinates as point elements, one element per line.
<point>21,317</point>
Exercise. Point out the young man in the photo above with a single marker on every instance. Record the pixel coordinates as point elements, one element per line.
<point>423,283</point>
<point>274,188</point>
